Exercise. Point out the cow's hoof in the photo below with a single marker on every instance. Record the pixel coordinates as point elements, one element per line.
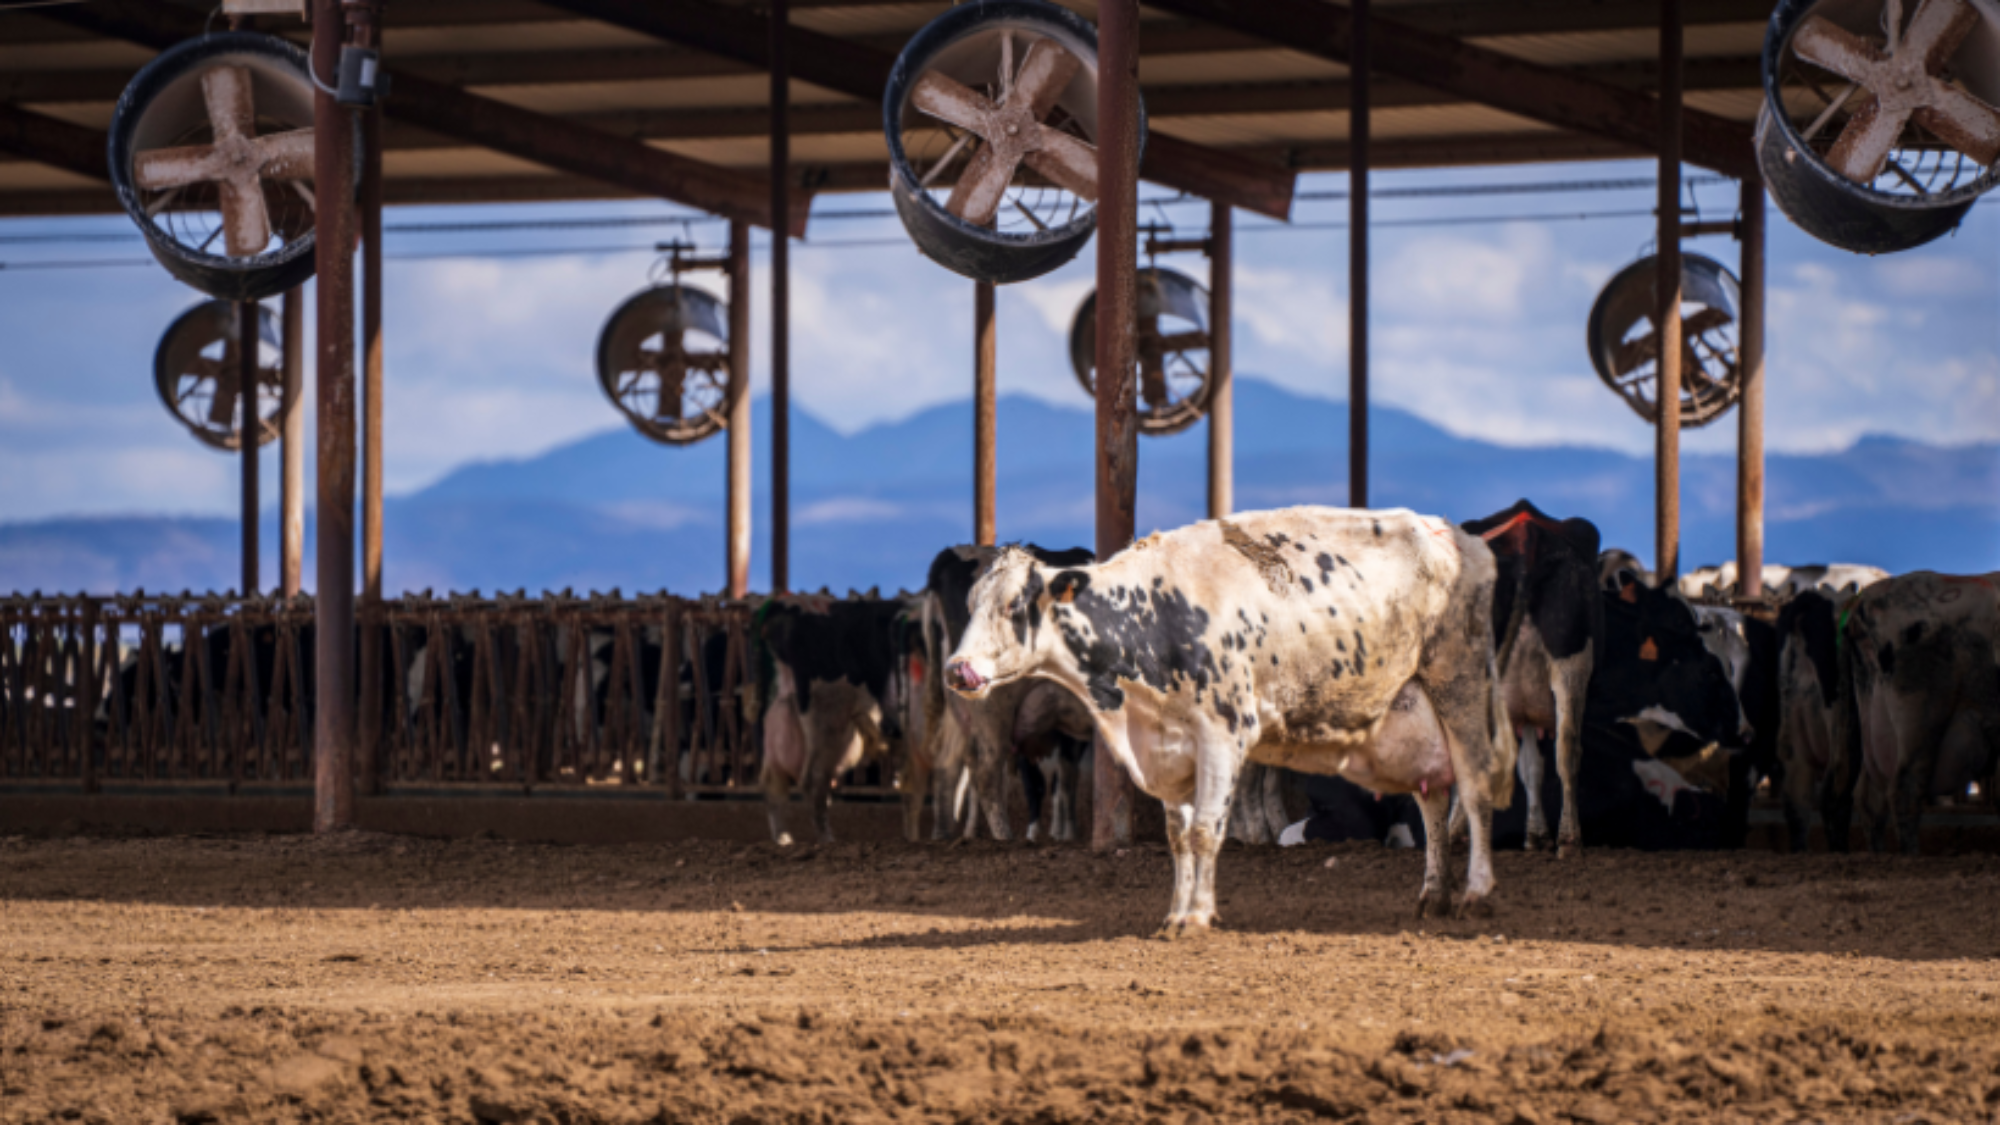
<point>1184,928</point>
<point>1569,848</point>
<point>1539,842</point>
<point>784,840</point>
<point>1474,906</point>
<point>1434,903</point>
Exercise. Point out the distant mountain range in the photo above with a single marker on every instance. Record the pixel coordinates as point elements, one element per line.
<point>614,510</point>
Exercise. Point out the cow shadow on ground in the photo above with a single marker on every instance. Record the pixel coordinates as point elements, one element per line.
<point>941,896</point>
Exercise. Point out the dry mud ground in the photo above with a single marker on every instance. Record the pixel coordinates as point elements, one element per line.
<point>371,978</point>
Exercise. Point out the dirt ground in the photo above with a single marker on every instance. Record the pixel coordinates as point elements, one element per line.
<point>374,978</point>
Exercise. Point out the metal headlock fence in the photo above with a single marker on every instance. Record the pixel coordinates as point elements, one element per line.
<point>486,694</point>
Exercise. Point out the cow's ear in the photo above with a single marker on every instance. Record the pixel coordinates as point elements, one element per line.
<point>1068,585</point>
<point>1628,588</point>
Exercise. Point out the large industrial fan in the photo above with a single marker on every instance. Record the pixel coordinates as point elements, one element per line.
<point>211,153</point>
<point>991,115</point>
<point>198,372</point>
<point>1879,130</point>
<point>1625,345</point>
<point>1173,350</point>
<point>663,361</point>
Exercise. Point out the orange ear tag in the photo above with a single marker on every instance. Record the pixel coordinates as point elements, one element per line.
<point>1649,650</point>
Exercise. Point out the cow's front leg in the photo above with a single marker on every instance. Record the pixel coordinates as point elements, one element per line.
<point>777,787</point>
<point>1435,898</point>
<point>1531,781</point>
<point>1064,812</point>
<point>1180,820</point>
<point>1572,682</point>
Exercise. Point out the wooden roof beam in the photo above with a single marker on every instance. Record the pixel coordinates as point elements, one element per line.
<point>861,71</point>
<point>450,111</point>
<point>1540,93</point>
<point>53,141</point>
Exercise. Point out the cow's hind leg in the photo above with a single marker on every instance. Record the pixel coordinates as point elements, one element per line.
<point>1571,683</point>
<point>1531,780</point>
<point>1180,821</point>
<point>1034,787</point>
<point>777,788</point>
<point>1435,898</point>
<point>1216,770</point>
<point>1068,753</point>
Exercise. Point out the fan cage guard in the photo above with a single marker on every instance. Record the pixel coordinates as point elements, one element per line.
<point>1163,294</point>
<point>629,371</point>
<point>198,348</point>
<point>1711,301</point>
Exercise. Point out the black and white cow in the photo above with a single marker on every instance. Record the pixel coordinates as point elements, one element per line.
<point>1809,694</point>
<point>1747,649</point>
<point>972,742</point>
<point>1548,625</point>
<point>1920,652</point>
<point>1616,566</point>
<point>1324,640</point>
<point>823,673</point>
<point>1837,579</point>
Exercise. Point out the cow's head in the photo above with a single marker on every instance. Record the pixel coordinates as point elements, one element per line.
<point>1661,679</point>
<point>1009,635</point>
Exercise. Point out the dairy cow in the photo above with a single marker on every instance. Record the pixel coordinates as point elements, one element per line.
<point>1841,579</point>
<point>1809,702</point>
<point>972,742</point>
<point>1548,625</point>
<point>823,670</point>
<point>1323,640</point>
<point>1616,566</point>
<point>1919,653</point>
<point>1747,649</point>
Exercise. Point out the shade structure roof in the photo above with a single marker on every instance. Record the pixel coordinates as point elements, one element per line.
<point>1219,87</point>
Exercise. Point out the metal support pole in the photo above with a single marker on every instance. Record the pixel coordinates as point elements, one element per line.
<point>371,442</point>
<point>334,231</point>
<point>1357,258</point>
<point>250,427</point>
<point>1117,342</point>
<point>781,304</point>
<point>738,497</point>
<point>1222,389</point>
<point>1667,313</point>
<point>984,413</point>
<point>1750,406</point>
<point>292,458</point>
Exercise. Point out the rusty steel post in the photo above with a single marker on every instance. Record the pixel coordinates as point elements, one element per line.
<point>1222,388</point>
<point>1750,406</point>
<point>1117,342</point>
<point>1667,311</point>
<point>333,618</point>
<point>249,343</point>
<point>89,678</point>
<point>985,425</point>
<point>737,546</point>
<point>781,303</point>
<point>1357,258</point>
<point>371,442</point>
<point>292,452</point>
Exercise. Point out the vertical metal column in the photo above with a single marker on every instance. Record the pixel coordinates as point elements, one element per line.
<point>1667,314</point>
<point>1117,341</point>
<point>985,423</point>
<point>371,442</point>
<point>1750,406</point>
<point>292,453</point>
<point>781,305</point>
<point>738,497</point>
<point>1222,390</point>
<point>250,427</point>
<point>334,230</point>
<point>1357,258</point>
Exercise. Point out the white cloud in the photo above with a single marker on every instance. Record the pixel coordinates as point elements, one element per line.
<point>847,509</point>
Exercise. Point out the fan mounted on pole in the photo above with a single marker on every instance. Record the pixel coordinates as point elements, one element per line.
<point>663,359</point>
<point>1173,350</point>
<point>197,371</point>
<point>1625,345</point>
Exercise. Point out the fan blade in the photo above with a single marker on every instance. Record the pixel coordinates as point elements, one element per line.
<point>1963,122</point>
<point>286,156</point>
<point>1068,163</point>
<point>1937,29</point>
<point>1824,44</point>
<point>1043,76</point>
<point>673,386</point>
<point>246,225</point>
<point>1630,354</point>
<point>976,197</point>
<point>951,102</point>
<point>231,110</point>
<point>228,388</point>
<point>708,361</point>
<point>162,168</point>
<point>1153,382</point>
<point>1183,342</point>
<point>1866,141</point>
<point>1704,320</point>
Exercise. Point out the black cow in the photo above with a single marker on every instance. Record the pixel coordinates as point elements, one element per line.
<point>1548,626</point>
<point>1343,811</point>
<point>823,672</point>
<point>1021,721</point>
<point>1658,720</point>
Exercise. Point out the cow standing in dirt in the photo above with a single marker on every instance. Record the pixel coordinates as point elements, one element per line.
<point>1324,640</point>
<point>1919,651</point>
<point>1548,627</point>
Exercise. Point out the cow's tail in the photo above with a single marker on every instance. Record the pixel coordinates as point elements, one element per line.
<point>1517,617</point>
<point>1506,751</point>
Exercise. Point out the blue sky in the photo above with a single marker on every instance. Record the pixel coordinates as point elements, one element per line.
<point>1478,327</point>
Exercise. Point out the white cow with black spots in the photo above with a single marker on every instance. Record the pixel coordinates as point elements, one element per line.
<point>1324,640</point>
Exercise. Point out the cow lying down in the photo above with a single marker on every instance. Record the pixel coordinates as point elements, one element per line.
<point>1323,640</point>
